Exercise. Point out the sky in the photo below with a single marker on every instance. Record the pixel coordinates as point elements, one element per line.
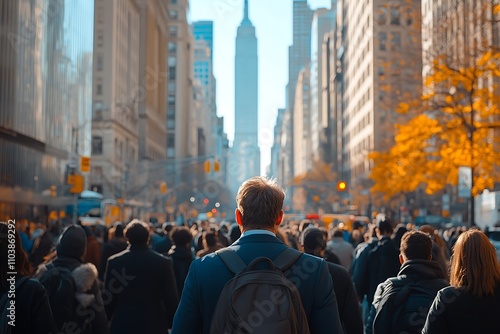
<point>273,23</point>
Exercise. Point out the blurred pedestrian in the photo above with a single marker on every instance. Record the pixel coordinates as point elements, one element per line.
<point>116,243</point>
<point>313,242</point>
<point>341,248</point>
<point>71,285</point>
<point>33,314</point>
<point>181,254</point>
<point>140,286</point>
<point>472,302</point>
<point>210,244</point>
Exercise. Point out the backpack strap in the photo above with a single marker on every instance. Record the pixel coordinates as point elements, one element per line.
<point>232,261</point>
<point>287,258</point>
<point>235,264</point>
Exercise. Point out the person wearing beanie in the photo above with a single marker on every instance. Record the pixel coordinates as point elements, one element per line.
<point>70,251</point>
<point>140,285</point>
<point>313,242</point>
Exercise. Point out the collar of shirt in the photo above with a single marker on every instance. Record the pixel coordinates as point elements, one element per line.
<point>252,232</point>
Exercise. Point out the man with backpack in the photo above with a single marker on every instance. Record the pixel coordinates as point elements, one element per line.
<point>401,303</point>
<point>258,284</point>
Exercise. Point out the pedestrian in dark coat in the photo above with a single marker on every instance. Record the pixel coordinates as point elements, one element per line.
<point>116,244</point>
<point>471,303</point>
<point>33,312</point>
<point>181,255</point>
<point>70,251</point>
<point>140,286</point>
<point>312,239</point>
<point>259,214</point>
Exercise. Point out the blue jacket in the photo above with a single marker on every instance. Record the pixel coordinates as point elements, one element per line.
<point>208,275</point>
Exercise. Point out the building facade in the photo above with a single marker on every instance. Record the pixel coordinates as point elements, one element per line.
<point>45,102</point>
<point>115,99</point>
<point>302,129</point>
<point>382,67</point>
<point>322,23</point>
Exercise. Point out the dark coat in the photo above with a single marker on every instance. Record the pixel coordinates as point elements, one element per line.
<point>347,299</point>
<point>112,247</point>
<point>99,322</point>
<point>382,262</point>
<point>457,312</point>
<point>141,289</point>
<point>208,275</point>
<point>181,258</point>
<point>425,274</point>
<point>359,265</point>
<point>33,313</point>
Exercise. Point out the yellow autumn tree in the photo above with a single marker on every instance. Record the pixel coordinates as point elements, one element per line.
<point>455,124</point>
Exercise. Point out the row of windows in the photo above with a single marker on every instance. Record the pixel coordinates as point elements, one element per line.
<point>395,39</point>
<point>394,13</point>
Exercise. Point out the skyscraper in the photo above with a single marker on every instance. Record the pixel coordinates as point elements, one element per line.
<point>245,161</point>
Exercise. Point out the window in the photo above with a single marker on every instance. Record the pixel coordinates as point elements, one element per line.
<point>382,40</point>
<point>172,61</point>
<point>395,41</point>
<point>99,89</point>
<point>171,140</point>
<point>381,70</point>
<point>395,14</point>
<point>172,72</point>
<point>96,145</point>
<point>409,17</point>
<point>173,14</point>
<point>172,47</point>
<point>99,62</point>
<point>382,15</point>
<point>173,31</point>
<point>173,2</point>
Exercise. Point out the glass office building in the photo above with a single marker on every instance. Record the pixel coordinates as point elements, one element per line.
<point>45,101</point>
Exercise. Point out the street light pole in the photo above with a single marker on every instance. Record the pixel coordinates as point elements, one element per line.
<point>75,134</point>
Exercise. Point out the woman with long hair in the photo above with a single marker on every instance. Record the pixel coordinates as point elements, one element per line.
<point>471,303</point>
<point>32,308</point>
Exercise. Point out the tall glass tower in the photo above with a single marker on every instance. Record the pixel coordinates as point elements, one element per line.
<point>246,153</point>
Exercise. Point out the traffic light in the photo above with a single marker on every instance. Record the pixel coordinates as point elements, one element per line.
<point>216,166</point>
<point>163,187</point>
<point>341,186</point>
<point>53,191</point>
<point>207,166</point>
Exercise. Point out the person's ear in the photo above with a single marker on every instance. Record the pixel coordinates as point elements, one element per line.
<point>401,258</point>
<point>280,218</point>
<point>239,217</point>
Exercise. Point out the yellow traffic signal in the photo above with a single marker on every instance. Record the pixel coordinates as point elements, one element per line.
<point>341,186</point>
<point>207,166</point>
<point>216,166</point>
<point>53,191</point>
<point>163,187</point>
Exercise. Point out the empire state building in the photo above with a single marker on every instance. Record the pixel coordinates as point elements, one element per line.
<point>245,152</point>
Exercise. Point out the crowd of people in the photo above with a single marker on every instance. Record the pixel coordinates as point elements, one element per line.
<point>148,278</point>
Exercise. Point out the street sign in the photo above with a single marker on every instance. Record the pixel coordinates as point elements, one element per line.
<point>85,164</point>
<point>464,181</point>
<point>77,183</point>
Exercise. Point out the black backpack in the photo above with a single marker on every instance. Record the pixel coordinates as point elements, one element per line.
<point>259,300</point>
<point>61,290</point>
<point>407,304</point>
<point>5,325</point>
